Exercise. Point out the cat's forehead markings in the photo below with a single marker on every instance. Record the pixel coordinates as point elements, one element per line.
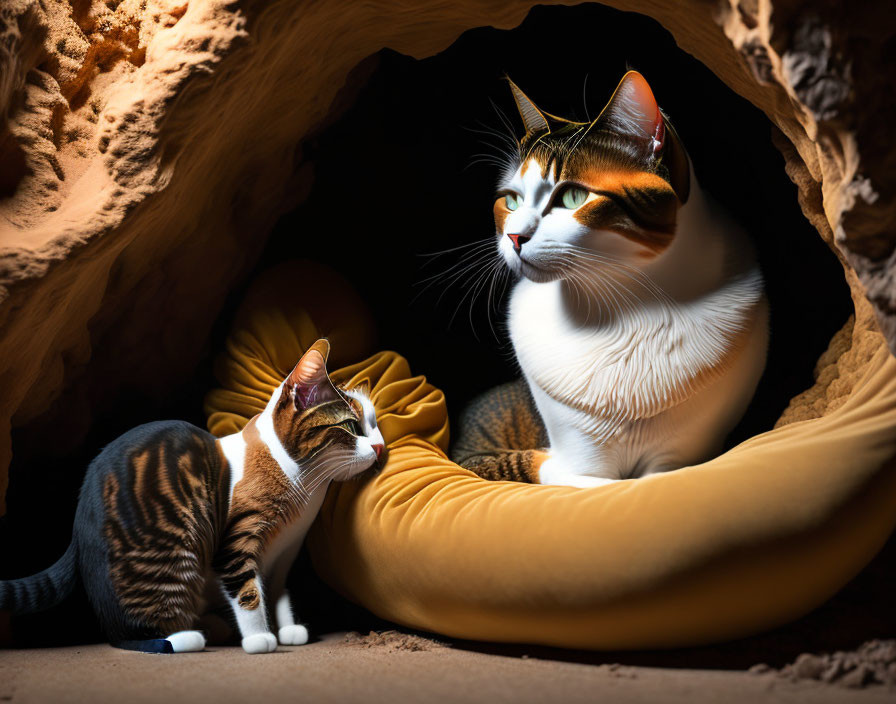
<point>368,417</point>
<point>532,169</point>
<point>529,179</point>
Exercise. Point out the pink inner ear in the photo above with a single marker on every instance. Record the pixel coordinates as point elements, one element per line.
<point>305,395</point>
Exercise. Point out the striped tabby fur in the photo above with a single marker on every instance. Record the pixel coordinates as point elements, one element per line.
<point>501,436</point>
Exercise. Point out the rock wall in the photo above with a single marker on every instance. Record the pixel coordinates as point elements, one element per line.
<point>142,141</point>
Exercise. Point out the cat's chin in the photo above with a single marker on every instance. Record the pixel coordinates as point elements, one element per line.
<point>358,466</point>
<point>537,274</point>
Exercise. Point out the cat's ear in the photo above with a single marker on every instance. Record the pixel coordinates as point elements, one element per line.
<point>308,383</point>
<point>634,112</point>
<point>534,119</point>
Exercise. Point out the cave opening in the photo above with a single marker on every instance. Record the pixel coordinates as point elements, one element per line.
<point>395,180</point>
<point>407,171</point>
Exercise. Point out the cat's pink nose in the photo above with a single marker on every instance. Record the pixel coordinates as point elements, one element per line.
<point>518,241</point>
<point>378,449</point>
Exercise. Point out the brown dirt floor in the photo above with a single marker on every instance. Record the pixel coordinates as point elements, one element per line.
<point>381,667</point>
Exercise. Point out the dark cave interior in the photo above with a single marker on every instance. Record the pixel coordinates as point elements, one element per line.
<point>396,179</point>
<point>406,173</point>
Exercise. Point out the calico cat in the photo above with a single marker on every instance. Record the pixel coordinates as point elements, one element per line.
<point>172,521</point>
<point>639,319</point>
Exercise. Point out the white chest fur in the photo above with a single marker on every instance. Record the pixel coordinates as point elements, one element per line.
<point>636,364</point>
<point>288,541</point>
<point>657,384</point>
<point>643,393</point>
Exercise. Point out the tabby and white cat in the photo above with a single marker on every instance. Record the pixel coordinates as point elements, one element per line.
<point>639,318</point>
<point>172,522</point>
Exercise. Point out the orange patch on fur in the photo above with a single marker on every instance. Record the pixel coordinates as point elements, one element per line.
<point>619,181</point>
<point>501,212</point>
<point>248,597</point>
<point>637,205</point>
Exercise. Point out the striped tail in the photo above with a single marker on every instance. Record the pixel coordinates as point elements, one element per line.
<point>42,590</point>
<point>160,646</point>
<point>180,642</point>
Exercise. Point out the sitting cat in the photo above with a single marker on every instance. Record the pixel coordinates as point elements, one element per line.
<point>171,520</point>
<point>639,318</point>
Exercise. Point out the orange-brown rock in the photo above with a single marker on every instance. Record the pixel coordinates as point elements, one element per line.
<point>141,140</point>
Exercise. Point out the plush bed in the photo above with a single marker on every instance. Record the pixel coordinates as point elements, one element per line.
<point>747,541</point>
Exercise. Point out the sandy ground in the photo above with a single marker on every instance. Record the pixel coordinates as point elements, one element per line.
<point>340,668</point>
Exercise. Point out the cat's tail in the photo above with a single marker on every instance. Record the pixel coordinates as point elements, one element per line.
<point>159,646</point>
<point>180,642</point>
<point>42,590</point>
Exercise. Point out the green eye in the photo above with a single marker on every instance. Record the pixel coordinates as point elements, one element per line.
<point>574,197</point>
<point>512,201</point>
<point>351,426</point>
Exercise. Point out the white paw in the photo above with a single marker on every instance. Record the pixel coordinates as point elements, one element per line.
<point>186,641</point>
<point>293,635</point>
<point>552,472</point>
<point>260,643</point>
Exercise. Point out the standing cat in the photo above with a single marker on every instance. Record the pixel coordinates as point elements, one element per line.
<point>639,319</point>
<point>171,520</point>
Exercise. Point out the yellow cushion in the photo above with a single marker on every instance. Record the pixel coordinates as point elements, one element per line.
<point>750,540</point>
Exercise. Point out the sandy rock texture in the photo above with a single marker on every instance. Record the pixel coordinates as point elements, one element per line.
<point>870,664</point>
<point>374,670</point>
<point>142,141</point>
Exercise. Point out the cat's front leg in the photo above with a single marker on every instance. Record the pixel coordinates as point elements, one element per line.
<point>552,471</point>
<point>251,616</point>
<point>237,566</point>
<point>288,631</point>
